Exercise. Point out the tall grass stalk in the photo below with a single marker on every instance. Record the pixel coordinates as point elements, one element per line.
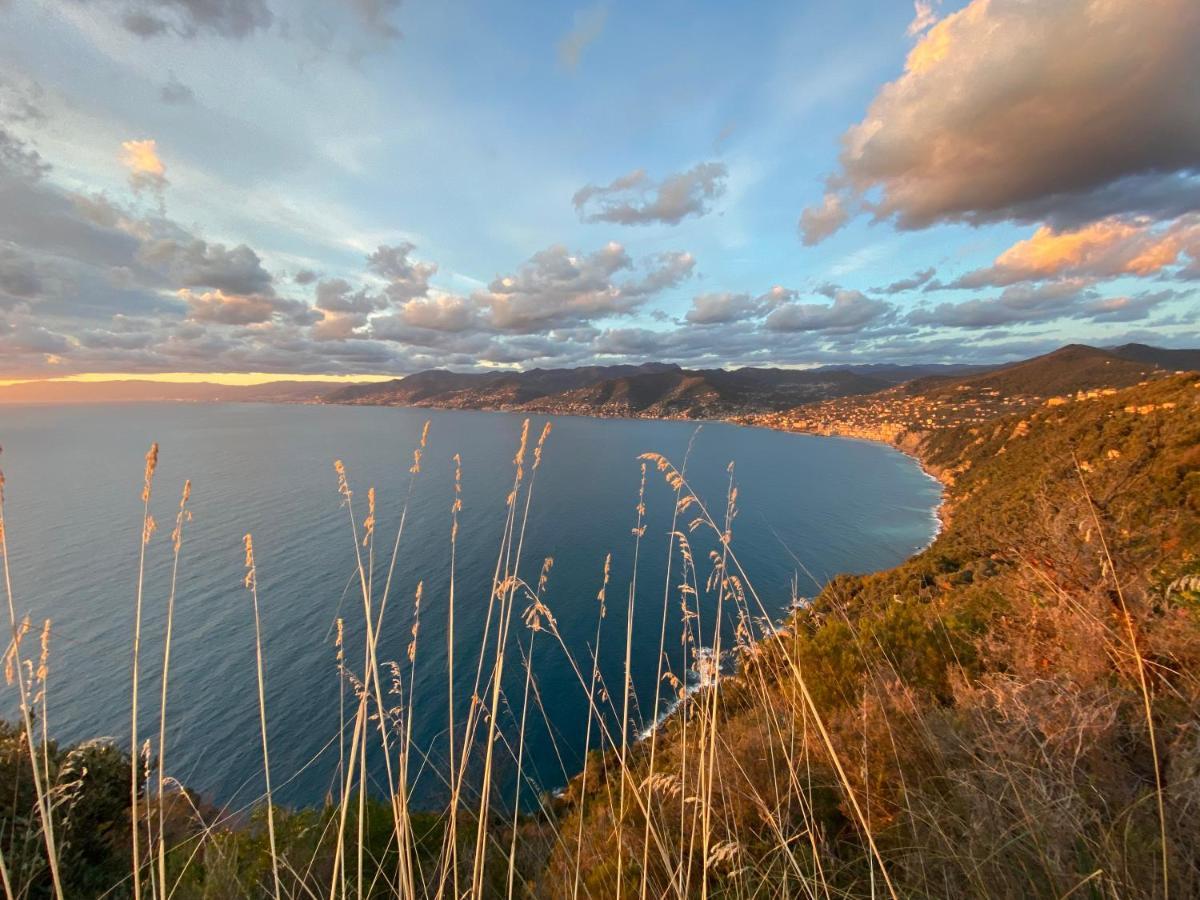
<point>1143,684</point>
<point>673,476</point>
<point>659,677</point>
<point>370,659</point>
<point>590,687</point>
<point>532,618</point>
<point>627,681</point>
<point>251,583</point>
<point>508,591</point>
<point>148,527</point>
<point>451,849</point>
<point>339,856</point>
<point>181,516</point>
<point>41,780</point>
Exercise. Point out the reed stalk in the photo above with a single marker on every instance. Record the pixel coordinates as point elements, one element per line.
<point>251,582</point>
<point>181,516</point>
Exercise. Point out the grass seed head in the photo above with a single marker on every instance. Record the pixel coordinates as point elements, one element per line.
<point>369,521</point>
<point>251,580</point>
<point>541,443</point>
<point>148,476</point>
<point>343,485</point>
<point>44,658</point>
<point>416,626</point>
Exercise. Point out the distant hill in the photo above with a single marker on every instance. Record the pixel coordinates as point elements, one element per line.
<point>651,390</point>
<point>1075,367</point>
<point>1173,360</point>
<point>477,390</point>
<point>897,374</point>
<point>665,390</point>
<point>658,390</point>
<point>917,407</point>
<point>137,391</point>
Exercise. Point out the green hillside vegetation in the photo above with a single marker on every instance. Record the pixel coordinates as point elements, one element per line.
<point>984,700</point>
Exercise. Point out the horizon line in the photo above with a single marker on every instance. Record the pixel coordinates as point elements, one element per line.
<point>230,379</point>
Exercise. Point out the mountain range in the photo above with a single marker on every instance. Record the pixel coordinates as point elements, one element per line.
<point>657,390</point>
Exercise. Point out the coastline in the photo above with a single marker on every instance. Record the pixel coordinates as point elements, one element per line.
<point>902,440</point>
<point>911,450</point>
<point>905,442</point>
<point>908,443</point>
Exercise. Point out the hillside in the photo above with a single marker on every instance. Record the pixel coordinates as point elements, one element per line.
<point>931,403</point>
<point>1075,367</point>
<point>1173,360</point>
<point>653,390</point>
<point>916,396</point>
<point>978,710</point>
<point>710,393</point>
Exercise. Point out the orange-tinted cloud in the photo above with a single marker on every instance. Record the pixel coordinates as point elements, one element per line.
<point>146,169</point>
<point>1108,248</point>
<point>1061,112</point>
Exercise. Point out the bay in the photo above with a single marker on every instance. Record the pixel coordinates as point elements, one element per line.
<point>808,508</point>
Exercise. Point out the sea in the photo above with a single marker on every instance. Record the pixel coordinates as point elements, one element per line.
<point>807,508</point>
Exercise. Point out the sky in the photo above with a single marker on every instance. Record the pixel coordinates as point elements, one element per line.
<point>346,187</point>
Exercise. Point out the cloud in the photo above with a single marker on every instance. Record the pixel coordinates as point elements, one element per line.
<point>176,93</point>
<point>1104,249</point>
<point>76,260</point>
<point>19,161</point>
<point>19,279</point>
<point>190,18</point>
<point>635,199</point>
<point>712,309</point>
<point>21,101</point>
<point>556,288</point>
<point>26,337</point>
<point>344,311</point>
<point>407,278</point>
<point>336,295</point>
<point>1127,308</point>
<point>1019,303</point>
<point>914,281</point>
<point>1016,110</point>
<point>589,25</point>
<point>923,18</point>
<point>374,17</point>
<point>147,172</point>
<point>819,222</point>
<point>218,307</point>
<point>850,311</point>
<point>667,270</point>
<point>197,263</point>
<point>724,307</point>
<point>444,313</point>
<point>227,309</point>
<point>338,326</point>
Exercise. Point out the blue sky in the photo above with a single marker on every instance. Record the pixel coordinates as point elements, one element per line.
<point>291,142</point>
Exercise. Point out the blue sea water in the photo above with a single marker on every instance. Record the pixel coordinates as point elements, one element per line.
<point>808,508</point>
